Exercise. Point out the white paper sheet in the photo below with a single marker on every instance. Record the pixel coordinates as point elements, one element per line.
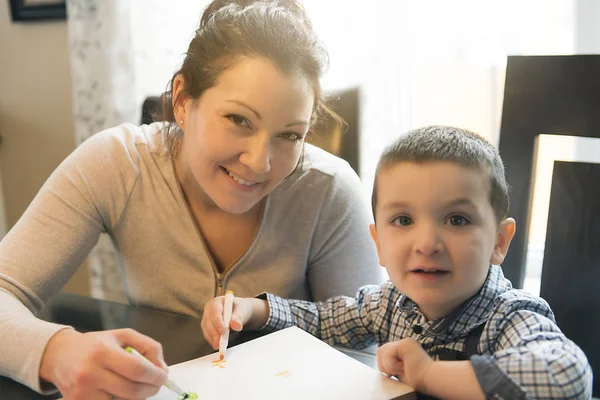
<point>288,364</point>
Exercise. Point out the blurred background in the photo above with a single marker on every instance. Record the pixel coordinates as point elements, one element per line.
<point>408,64</point>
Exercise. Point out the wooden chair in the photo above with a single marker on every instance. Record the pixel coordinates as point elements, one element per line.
<point>557,95</point>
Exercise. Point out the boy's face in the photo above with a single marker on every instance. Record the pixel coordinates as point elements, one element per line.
<point>436,233</point>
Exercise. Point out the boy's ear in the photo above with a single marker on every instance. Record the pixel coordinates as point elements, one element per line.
<point>374,236</point>
<point>506,231</point>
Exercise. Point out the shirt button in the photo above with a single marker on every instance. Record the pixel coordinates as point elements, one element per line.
<point>418,329</point>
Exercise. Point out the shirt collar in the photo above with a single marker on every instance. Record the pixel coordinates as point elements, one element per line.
<point>473,312</point>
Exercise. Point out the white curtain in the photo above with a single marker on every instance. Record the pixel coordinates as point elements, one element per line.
<point>415,62</point>
<point>2,209</point>
<point>104,94</point>
<point>121,52</point>
<point>433,62</point>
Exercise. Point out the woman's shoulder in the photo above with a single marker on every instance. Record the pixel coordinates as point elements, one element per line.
<point>125,145</point>
<point>321,161</point>
<point>324,170</point>
<point>322,175</point>
<point>129,138</point>
<point>118,153</point>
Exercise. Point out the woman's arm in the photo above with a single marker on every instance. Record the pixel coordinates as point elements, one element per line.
<point>82,198</point>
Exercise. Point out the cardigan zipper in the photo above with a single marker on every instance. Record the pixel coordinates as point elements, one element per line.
<point>219,284</point>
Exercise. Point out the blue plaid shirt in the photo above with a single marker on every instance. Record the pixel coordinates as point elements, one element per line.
<point>521,352</point>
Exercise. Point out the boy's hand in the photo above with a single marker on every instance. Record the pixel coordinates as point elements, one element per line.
<point>407,360</point>
<point>245,310</point>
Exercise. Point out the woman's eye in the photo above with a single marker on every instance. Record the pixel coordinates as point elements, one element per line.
<point>238,120</point>
<point>402,220</point>
<point>458,220</point>
<point>293,136</point>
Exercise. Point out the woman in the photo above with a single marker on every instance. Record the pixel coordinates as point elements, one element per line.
<point>224,194</point>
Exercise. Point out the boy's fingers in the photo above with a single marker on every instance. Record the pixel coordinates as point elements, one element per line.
<point>386,362</point>
<point>216,316</point>
<point>389,359</point>
<point>380,361</point>
<point>399,349</point>
<point>210,333</point>
<point>243,311</point>
<point>214,342</point>
<point>236,324</point>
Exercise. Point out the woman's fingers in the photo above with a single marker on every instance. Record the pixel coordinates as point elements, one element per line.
<point>124,388</point>
<point>93,365</point>
<point>148,347</point>
<point>135,369</point>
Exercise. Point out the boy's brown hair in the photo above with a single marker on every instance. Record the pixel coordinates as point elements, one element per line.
<point>446,143</point>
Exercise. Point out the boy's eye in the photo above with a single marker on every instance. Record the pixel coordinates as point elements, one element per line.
<point>402,220</point>
<point>238,120</point>
<point>293,136</point>
<point>458,220</point>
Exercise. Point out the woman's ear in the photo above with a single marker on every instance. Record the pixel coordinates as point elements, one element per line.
<point>506,231</point>
<point>179,100</point>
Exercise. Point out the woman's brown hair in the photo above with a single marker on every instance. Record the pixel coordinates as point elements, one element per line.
<point>275,30</point>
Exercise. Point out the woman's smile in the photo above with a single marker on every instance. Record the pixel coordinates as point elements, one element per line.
<point>249,129</point>
<point>239,182</point>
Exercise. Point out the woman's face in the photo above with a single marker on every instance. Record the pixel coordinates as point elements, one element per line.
<point>243,136</point>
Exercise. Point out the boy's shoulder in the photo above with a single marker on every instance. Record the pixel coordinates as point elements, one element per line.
<point>385,291</point>
<point>515,300</point>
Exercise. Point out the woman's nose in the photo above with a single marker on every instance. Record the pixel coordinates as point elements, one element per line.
<point>257,154</point>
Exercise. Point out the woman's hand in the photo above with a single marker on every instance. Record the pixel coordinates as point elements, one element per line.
<point>95,365</point>
<point>406,360</point>
<point>249,313</point>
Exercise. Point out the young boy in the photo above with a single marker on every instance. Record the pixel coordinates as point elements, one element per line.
<point>449,324</point>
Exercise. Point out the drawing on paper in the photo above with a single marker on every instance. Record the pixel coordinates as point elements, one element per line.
<point>218,363</point>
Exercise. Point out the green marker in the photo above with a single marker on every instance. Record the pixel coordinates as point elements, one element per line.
<point>181,395</point>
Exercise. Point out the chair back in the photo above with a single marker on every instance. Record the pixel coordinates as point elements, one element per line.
<point>557,95</point>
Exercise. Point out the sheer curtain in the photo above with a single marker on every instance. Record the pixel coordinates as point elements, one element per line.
<point>435,62</point>
<point>121,52</point>
<point>416,63</point>
<point>2,209</point>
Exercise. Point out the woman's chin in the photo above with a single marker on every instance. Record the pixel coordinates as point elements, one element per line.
<point>236,207</point>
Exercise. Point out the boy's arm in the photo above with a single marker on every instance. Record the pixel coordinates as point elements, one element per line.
<point>340,320</point>
<point>530,358</point>
<point>407,360</point>
<point>530,353</point>
<point>454,380</point>
<point>259,314</point>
